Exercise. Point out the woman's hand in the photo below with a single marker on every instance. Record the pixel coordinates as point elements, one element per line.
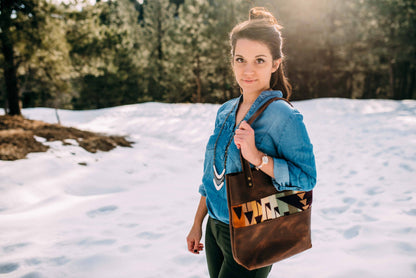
<point>244,140</point>
<point>194,238</point>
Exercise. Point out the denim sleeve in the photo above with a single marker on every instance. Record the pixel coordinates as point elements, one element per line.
<point>294,168</point>
<point>202,190</point>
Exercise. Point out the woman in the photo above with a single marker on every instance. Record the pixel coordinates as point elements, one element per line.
<point>277,142</point>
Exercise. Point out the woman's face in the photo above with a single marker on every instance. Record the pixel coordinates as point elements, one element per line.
<point>253,66</point>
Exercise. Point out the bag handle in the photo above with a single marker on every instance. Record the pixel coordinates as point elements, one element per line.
<point>244,163</point>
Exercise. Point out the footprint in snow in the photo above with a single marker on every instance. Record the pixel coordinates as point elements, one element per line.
<point>352,232</point>
<point>101,211</point>
<point>32,275</point>
<point>33,261</point>
<point>404,246</point>
<point>374,191</point>
<point>58,261</point>
<point>150,235</point>
<point>411,212</point>
<point>406,167</point>
<point>349,200</point>
<point>8,267</point>
<point>91,242</point>
<point>403,199</point>
<point>335,210</point>
<point>12,248</point>
<point>351,174</point>
<point>128,225</point>
<point>125,249</point>
<point>368,218</point>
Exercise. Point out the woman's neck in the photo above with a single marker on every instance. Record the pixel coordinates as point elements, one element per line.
<point>249,98</point>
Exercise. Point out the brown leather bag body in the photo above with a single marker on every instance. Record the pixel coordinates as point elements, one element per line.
<point>266,225</point>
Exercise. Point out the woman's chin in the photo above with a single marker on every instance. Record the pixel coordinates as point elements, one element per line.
<point>252,88</point>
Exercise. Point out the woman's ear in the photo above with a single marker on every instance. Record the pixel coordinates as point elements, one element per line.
<point>276,64</point>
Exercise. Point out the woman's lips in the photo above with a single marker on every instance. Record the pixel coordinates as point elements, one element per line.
<point>249,81</point>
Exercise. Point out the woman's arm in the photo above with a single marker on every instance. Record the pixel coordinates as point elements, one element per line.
<point>194,237</point>
<point>245,141</point>
<point>296,167</point>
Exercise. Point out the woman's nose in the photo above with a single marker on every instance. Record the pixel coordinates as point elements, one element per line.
<point>248,69</point>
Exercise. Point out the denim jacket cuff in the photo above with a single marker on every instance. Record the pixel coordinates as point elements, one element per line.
<point>202,190</point>
<point>281,173</point>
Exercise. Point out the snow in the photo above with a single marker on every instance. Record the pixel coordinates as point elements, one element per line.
<point>128,211</point>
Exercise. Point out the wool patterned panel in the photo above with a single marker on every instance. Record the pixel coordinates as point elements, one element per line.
<point>270,207</point>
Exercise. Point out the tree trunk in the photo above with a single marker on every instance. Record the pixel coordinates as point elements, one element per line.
<point>10,72</point>
<point>197,73</point>
<point>390,92</point>
<point>412,84</point>
<point>402,73</point>
<point>158,95</point>
<point>225,86</point>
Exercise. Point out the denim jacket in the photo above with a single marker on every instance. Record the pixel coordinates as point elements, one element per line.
<point>279,132</point>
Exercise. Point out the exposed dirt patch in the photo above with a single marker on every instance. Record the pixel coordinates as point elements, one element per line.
<point>17,137</point>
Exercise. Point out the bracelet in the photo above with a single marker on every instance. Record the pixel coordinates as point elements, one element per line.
<point>264,161</point>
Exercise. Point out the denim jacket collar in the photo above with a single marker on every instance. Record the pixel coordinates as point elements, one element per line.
<point>260,100</point>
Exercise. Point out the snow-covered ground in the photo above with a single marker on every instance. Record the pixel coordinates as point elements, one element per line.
<point>128,211</point>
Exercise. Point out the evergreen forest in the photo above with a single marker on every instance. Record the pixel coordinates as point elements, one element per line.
<point>84,54</point>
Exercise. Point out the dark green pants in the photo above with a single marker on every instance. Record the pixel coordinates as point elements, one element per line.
<point>221,263</point>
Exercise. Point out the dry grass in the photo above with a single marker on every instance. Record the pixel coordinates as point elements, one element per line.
<point>17,137</point>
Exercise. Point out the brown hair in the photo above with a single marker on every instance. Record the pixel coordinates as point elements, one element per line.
<point>262,26</point>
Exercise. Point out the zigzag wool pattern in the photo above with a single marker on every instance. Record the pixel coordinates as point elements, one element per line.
<point>270,207</point>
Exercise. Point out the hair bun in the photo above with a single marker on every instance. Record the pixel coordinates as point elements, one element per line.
<point>261,13</point>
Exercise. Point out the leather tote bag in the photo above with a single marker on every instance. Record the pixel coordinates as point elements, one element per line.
<point>266,225</point>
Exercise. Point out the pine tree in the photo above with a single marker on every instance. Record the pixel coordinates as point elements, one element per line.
<point>21,15</point>
<point>394,45</point>
<point>225,15</point>
<point>105,56</point>
<point>156,39</point>
<point>203,56</point>
<point>47,74</point>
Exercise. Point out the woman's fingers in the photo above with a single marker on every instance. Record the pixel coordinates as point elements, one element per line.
<point>244,139</point>
<point>194,246</point>
<point>191,244</point>
<point>245,130</point>
<point>193,241</point>
<point>198,248</point>
<point>242,132</point>
<point>245,126</point>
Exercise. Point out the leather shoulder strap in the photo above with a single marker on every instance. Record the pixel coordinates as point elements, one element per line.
<point>244,163</point>
<point>263,107</point>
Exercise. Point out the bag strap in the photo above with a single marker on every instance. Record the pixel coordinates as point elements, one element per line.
<point>244,163</point>
<point>263,107</point>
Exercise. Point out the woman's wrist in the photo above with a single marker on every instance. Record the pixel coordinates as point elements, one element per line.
<point>198,223</point>
<point>259,159</point>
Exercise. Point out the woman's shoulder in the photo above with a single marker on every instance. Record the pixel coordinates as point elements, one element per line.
<point>282,118</point>
<point>281,108</point>
<point>227,106</point>
<point>224,111</point>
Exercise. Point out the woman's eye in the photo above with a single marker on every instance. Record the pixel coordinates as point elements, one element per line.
<point>260,61</point>
<point>239,60</point>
